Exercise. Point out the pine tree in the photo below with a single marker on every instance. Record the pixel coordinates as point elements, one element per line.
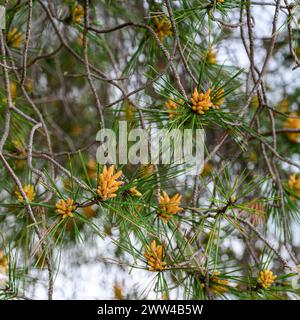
<point>149,229</point>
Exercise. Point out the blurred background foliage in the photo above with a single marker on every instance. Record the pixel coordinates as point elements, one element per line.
<point>230,232</point>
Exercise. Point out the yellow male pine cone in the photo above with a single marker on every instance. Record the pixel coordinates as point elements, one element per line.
<point>66,208</point>
<point>92,167</point>
<point>169,206</point>
<point>3,262</point>
<point>294,184</point>
<point>155,257</point>
<point>218,285</point>
<point>77,13</point>
<point>218,98</point>
<point>211,56</point>
<point>135,192</point>
<point>293,123</point>
<point>172,106</point>
<point>201,102</point>
<point>162,27</point>
<point>108,184</point>
<point>29,191</point>
<point>118,291</point>
<point>266,278</point>
<point>14,38</point>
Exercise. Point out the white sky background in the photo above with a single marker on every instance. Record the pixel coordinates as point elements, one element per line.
<point>92,279</point>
